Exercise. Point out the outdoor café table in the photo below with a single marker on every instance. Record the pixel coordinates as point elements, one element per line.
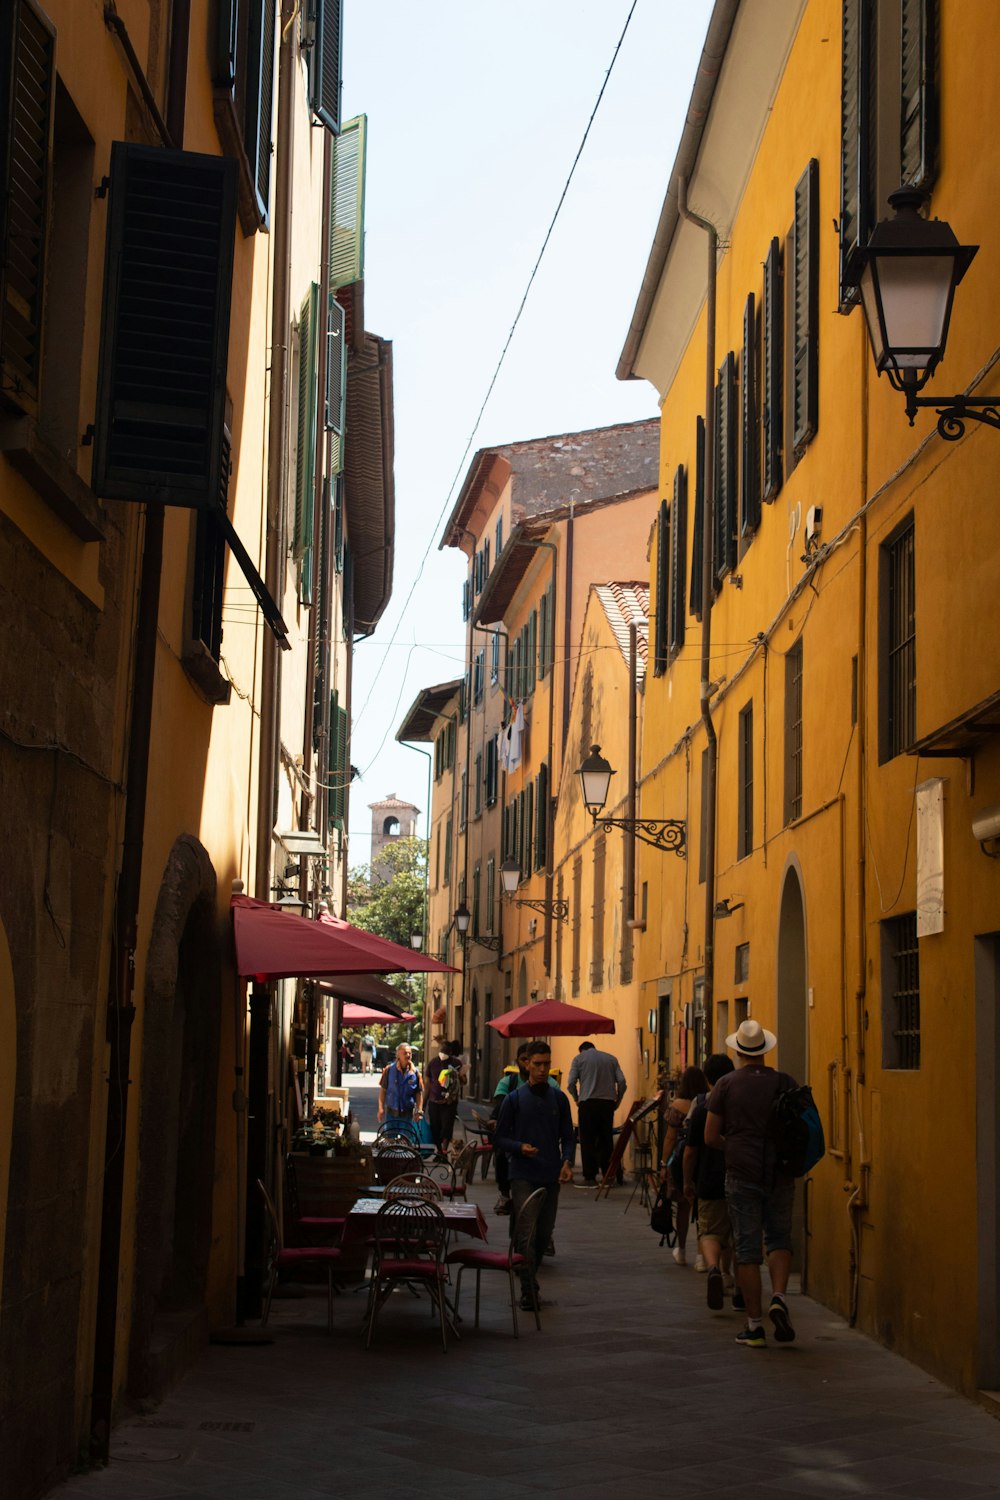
<point>461,1218</point>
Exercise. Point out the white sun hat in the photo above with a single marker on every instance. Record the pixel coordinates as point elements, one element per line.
<point>751,1040</point>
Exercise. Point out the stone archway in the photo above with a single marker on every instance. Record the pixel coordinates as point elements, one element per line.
<point>177,1109</point>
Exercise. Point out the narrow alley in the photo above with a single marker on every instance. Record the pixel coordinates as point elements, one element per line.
<point>632,1385</point>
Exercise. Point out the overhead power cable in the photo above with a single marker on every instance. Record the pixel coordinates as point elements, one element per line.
<point>503,355</point>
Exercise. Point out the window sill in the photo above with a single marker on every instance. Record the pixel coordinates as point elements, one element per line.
<point>203,673</point>
<point>58,484</point>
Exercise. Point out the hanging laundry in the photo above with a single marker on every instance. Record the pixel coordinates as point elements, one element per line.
<point>515,732</point>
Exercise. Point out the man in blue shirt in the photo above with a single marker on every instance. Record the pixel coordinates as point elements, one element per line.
<point>535,1130</point>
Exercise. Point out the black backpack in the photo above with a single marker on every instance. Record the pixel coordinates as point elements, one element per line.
<point>796,1131</point>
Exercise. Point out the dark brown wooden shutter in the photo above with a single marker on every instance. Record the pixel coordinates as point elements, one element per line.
<point>750,456</point>
<point>27,98</point>
<point>541,816</point>
<point>725,469</point>
<point>662,584</point>
<point>227,31</point>
<point>772,370</point>
<point>678,559</point>
<point>324,64</point>
<point>918,93</point>
<point>161,385</point>
<point>805,309</point>
<point>698,529</point>
<point>857,139</point>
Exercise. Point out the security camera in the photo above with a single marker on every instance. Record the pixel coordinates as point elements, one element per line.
<point>986,828</point>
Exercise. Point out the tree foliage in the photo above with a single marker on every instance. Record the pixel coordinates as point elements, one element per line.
<point>389,899</point>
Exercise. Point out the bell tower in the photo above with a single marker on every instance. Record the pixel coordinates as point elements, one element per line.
<point>391,820</point>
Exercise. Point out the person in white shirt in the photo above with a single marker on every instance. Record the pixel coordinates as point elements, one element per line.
<point>597,1084</point>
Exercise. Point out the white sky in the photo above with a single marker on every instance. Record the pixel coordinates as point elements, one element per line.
<point>475,112</point>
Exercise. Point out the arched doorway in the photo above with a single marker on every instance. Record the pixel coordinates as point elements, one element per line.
<point>177,1120</point>
<point>793,999</point>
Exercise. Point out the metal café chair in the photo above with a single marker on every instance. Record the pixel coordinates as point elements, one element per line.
<point>479,1259</point>
<point>417,1185</point>
<point>280,1258</point>
<point>409,1240</point>
<point>393,1160</point>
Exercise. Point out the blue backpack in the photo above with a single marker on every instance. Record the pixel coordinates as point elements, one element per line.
<point>796,1131</point>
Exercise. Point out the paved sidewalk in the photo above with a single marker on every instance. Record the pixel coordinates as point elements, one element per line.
<point>631,1388</point>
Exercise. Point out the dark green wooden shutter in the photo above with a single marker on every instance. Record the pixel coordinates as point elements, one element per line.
<point>209,573</point>
<point>324,62</point>
<point>856,131</point>
<point>698,529</point>
<point>724,551</point>
<point>660,600</point>
<point>772,370</point>
<point>27,97</point>
<point>161,384</point>
<point>305,460</point>
<point>805,309</point>
<point>750,464</point>
<point>260,99</point>
<point>531,655</point>
<point>338,524</point>
<point>678,558</point>
<point>319,684</point>
<point>541,815</point>
<point>528,827</point>
<point>543,634</point>
<point>336,367</point>
<point>347,204</point>
<point>918,93</point>
<point>227,31</point>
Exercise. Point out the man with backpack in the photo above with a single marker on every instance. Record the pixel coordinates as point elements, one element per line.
<point>759,1186</point>
<point>400,1089</point>
<point>704,1185</point>
<point>442,1090</point>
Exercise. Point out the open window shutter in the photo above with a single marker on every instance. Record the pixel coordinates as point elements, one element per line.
<point>319,686</point>
<point>771,363</point>
<point>260,99</point>
<point>532,650</point>
<point>305,468</point>
<point>858,139</point>
<point>347,208</point>
<point>529,818</point>
<point>336,367</point>
<point>750,465</point>
<point>662,575</point>
<point>227,30</point>
<point>324,63</point>
<point>725,468</point>
<point>543,634</point>
<point>678,558</point>
<point>338,524</point>
<point>918,93</point>
<point>27,95</point>
<point>161,384</point>
<point>805,308</point>
<point>698,529</point>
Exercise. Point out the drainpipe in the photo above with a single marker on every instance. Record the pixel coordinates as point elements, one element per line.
<point>706,607</point>
<point>121,981</point>
<point>249,1284</point>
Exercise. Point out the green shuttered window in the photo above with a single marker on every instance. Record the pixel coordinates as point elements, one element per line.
<point>724,531</point>
<point>678,557</point>
<point>804,374</point>
<point>305,463</point>
<point>325,80</point>
<point>771,363</point>
<point>698,529</point>
<point>662,588</point>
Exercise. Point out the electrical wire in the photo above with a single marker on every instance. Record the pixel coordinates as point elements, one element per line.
<point>503,355</point>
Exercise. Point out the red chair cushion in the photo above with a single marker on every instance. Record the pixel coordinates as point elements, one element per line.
<point>312,1222</point>
<point>296,1255</point>
<point>484,1260</point>
<point>428,1269</point>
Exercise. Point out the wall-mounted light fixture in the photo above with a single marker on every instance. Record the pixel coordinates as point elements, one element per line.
<point>911,267</point>
<point>725,908</point>
<point>510,875</point>
<point>595,778</point>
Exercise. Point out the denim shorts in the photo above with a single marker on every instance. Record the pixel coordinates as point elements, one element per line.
<point>757,1214</point>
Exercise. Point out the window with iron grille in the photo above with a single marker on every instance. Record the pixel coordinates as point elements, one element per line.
<point>744,833</point>
<point>577,923</point>
<point>900,993</point>
<point>793,732</point>
<point>897,643</point>
<point>597,936</point>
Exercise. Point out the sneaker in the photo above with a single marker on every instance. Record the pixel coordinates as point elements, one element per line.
<point>784,1333</point>
<point>699,1263</point>
<point>502,1205</point>
<point>586,1182</point>
<point>752,1338</point>
<point>526,1304</point>
<point>716,1292</point>
<point>739,1305</point>
<point>550,1248</point>
<point>679,1255</point>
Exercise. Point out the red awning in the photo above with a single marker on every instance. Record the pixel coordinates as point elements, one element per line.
<point>551,1017</point>
<point>366,989</point>
<point>270,944</point>
<point>364,1015</point>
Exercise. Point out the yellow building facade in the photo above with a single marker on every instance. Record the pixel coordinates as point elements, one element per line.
<point>834,887</point>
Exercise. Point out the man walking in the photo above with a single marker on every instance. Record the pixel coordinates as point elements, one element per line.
<point>535,1129</point>
<point>597,1084</point>
<point>758,1195</point>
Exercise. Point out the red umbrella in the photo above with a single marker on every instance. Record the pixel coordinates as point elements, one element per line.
<point>270,944</point>
<point>550,1017</point>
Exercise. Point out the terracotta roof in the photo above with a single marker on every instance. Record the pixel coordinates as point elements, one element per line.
<point>549,473</point>
<point>627,604</point>
<point>425,710</point>
<point>369,489</point>
<point>393,801</point>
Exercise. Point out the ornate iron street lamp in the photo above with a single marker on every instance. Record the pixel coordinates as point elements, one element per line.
<point>510,877</point>
<point>911,268</point>
<point>667,834</point>
<point>462,920</point>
